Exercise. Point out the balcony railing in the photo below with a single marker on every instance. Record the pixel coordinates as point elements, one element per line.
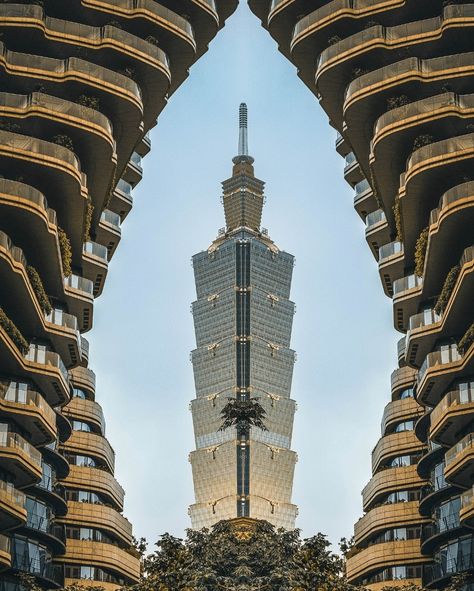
<point>40,355</point>
<point>17,189</point>
<point>452,399</point>
<point>112,218</point>
<point>15,441</point>
<point>376,217</point>
<point>61,318</point>
<point>11,392</point>
<point>467,498</point>
<point>467,442</point>
<point>389,250</point>
<point>96,250</point>
<point>406,283</point>
<point>425,318</point>
<point>443,357</point>
<point>16,497</point>
<point>79,283</point>
<point>350,161</point>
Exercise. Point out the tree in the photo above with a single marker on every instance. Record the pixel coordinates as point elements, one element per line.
<point>243,414</point>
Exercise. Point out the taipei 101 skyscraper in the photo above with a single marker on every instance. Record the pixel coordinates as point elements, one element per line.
<point>243,364</point>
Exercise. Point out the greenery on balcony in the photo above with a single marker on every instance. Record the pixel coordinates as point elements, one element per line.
<point>12,331</point>
<point>397,214</point>
<point>467,340</point>
<point>422,140</point>
<point>39,290</point>
<point>90,101</point>
<point>63,140</point>
<point>394,102</point>
<point>447,290</point>
<point>88,220</point>
<point>66,252</point>
<point>420,251</point>
<point>243,414</point>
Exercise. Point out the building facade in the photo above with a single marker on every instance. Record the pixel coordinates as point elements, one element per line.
<point>243,320</point>
<point>81,84</point>
<point>396,79</point>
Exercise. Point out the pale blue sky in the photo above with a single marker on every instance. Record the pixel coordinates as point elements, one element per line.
<point>143,330</point>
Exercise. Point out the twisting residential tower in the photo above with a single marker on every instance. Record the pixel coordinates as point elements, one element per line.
<point>243,319</point>
<point>396,78</point>
<point>81,84</point>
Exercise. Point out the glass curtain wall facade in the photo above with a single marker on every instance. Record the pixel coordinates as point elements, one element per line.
<point>243,320</point>
<point>81,84</point>
<point>396,79</point>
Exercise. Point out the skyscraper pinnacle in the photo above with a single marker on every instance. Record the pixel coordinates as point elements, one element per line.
<point>243,155</point>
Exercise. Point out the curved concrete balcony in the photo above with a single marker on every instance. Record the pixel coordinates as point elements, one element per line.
<point>439,369</point>
<point>395,444</point>
<point>108,231</point>
<point>352,171</point>
<point>87,410</point>
<point>385,517</point>
<point>12,506</point>
<point>401,379</point>
<point>83,378</point>
<point>380,45</point>
<point>386,481</point>
<point>399,410</point>
<point>107,556</point>
<point>364,199</point>
<point>391,259</point>
<point>96,480</point>
<point>377,231</point>
<point>133,172</point>
<point>91,444</point>
<point>20,458</point>
<point>460,462</point>
<point>30,410</point>
<point>90,131</point>
<point>406,295</point>
<point>121,201</point>
<point>379,556</point>
<point>466,513</point>
<point>100,516</point>
<point>79,292</point>
<point>451,416</point>
<point>5,556</point>
<point>88,582</point>
<point>95,264</point>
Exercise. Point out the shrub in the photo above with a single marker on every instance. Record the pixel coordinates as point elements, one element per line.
<point>38,288</point>
<point>447,290</point>
<point>397,101</point>
<point>422,140</point>
<point>88,220</point>
<point>467,340</point>
<point>89,101</point>
<point>398,219</point>
<point>66,251</point>
<point>12,331</point>
<point>152,40</point>
<point>63,140</point>
<point>420,251</point>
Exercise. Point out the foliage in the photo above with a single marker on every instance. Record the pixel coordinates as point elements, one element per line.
<point>63,140</point>
<point>87,100</point>
<point>243,414</point>
<point>420,251</point>
<point>129,72</point>
<point>38,288</point>
<point>152,40</point>
<point>66,251</point>
<point>447,290</point>
<point>28,582</point>
<point>397,101</point>
<point>398,219</point>
<point>9,126</point>
<point>12,331</point>
<point>467,340</point>
<point>88,220</point>
<point>422,140</point>
<point>334,39</point>
<point>243,555</point>
<point>357,72</point>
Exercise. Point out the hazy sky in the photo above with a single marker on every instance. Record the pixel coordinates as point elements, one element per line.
<point>143,330</point>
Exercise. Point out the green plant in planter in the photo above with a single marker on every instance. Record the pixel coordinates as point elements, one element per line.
<point>467,340</point>
<point>63,140</point>
<point>398,219</point>
<point>420,251</point>
<point>422,140</point>
<point>12,331</point>
<point>38,288</point>
<point>88,220</point>
<point>90,101</point>
<point>66,252</point>
<point>397,101</point>
<point>447,290</point>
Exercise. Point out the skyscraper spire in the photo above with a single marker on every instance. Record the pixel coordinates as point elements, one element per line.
<point>243,155</point>
<point>243,130</point>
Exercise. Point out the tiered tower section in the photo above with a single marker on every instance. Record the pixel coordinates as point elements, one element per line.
<point>396,79</point>
<point>243,319</point>
<point>81,84</point>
